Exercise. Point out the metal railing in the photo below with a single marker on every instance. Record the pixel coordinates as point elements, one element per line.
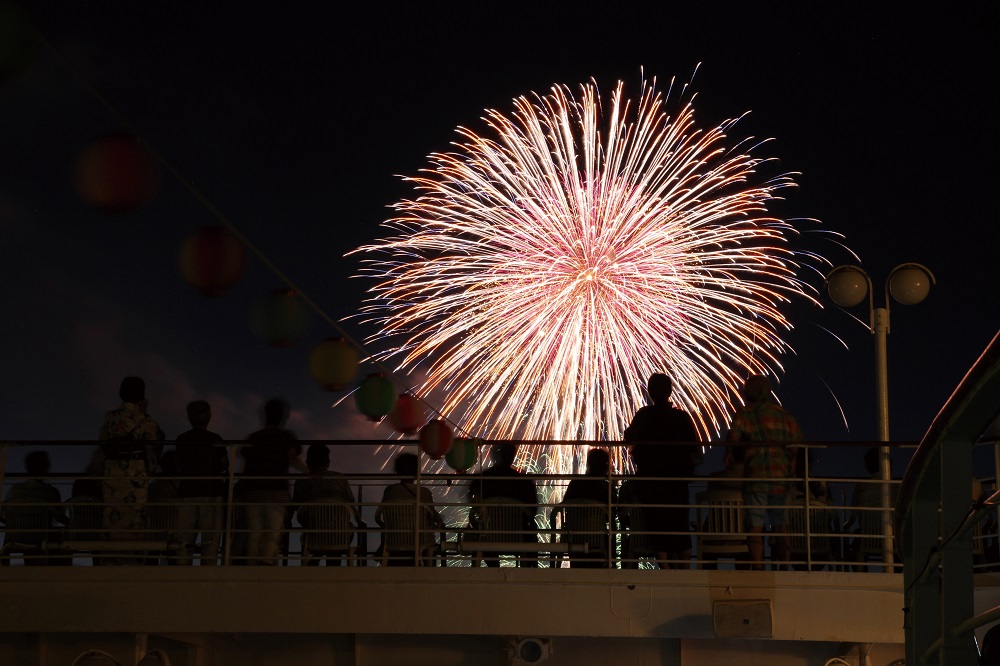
<point>87,526</point>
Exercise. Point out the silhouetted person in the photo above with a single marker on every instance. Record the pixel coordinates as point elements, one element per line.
<point>130,450</point>
<point>269,453</point>
<point>406,491</point>
<point>321,483</point>
<point>200,453</point>
<point>652,427</point>
<point>593,488</point>
<point>763,420</point>
<point>38,500</point>
<point>503,480</point>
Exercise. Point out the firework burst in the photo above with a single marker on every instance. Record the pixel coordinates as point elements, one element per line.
<point>550,264</point>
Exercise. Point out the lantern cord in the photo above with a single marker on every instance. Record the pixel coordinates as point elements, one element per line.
<point>222,218</point>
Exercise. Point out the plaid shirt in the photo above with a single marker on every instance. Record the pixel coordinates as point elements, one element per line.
<point>767,422</point>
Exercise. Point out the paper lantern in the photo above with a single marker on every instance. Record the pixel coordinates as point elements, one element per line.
<point>463,454</point>
<point>408,414</point>
<point>333,364</point>
<point>212,260</point>
<point>435,438</point>
<point>116,174</point>
<point>375,397</point>
<point>281,318</point>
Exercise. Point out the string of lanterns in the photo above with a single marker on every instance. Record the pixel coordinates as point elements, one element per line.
<point>116,174</point>
<point>120,172</point>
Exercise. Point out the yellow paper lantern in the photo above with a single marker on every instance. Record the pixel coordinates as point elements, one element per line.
<point>333,364</point>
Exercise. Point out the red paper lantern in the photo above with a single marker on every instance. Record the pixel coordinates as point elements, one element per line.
<point>116,174</point>
<point>463,454</point>
<point>435,438</point>
<point>333,364</point>
<point>281,318</point>
<point>212,260</point>
<point>375,397</point>
<point>408,415</point>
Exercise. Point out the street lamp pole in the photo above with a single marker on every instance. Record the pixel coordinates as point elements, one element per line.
<point>909,285</point>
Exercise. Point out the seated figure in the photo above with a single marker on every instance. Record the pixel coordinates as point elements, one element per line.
<point>502,481</point>
<point>34,505</point>
<point>320,484</point>
<point>399,540</point>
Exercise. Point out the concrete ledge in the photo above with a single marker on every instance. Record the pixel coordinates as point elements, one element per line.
<point>819,606</point>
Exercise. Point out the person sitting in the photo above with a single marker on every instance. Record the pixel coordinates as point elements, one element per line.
<point>35,502</point>
<point>321,483</point>
<point>594,487</point>
<point>503,481</point>
<point>407,491</point>
<point>730,477</point>
<point>595,484</point>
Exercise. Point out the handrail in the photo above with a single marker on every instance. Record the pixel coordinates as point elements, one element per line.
<point>968,410</point>
<point>454,502</point>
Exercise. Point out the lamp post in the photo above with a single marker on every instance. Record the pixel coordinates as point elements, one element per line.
<point>908,284</point>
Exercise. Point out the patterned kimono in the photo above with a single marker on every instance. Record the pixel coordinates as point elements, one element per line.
<point>127,462</point>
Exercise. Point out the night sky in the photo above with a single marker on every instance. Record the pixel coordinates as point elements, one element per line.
<point>296,123</point>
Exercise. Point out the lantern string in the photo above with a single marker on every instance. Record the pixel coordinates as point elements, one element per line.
<point>230,226</point>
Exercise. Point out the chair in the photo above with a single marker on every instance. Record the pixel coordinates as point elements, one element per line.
<point>583,521</point>
<point>636,538</point>
<point>28,525</point>
<point>499,527</point>
<point>86,519</point>
<point>820,552</point>
<point>328,531</point>
<point>869,540</point>
<point>402,538</point>
<point>720,523</point>
<point>86,525</point>
<point>161,521</point>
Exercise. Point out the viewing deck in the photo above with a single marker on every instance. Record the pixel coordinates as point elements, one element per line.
<point>831,598</point>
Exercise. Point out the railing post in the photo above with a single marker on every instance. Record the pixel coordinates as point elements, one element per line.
<point>922,612</point>
<point>230,511</point>
<point>957,584</point>
<point>808,517</point>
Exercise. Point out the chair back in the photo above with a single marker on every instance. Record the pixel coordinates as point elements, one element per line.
<point>820,547</point>
<point>328,526</point>
<point>86,519</point>
<point>720,523</point>
<point>161,520</point>
<point>28,524</point>
<point>583,521</point>
<point>502,519</point>
<point>872,543</point>
<point>637,542</point>
<point>399,529</point>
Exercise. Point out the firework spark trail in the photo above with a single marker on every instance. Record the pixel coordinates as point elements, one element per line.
<point>548,266</point>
